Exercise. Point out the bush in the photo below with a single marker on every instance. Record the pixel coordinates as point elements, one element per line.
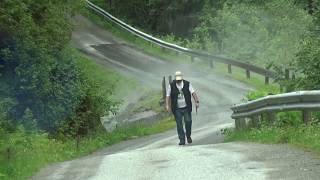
<point>308,64</point>
<point>288,119</point>
<point>29,122</point>
<point>253,95</point>
<point>6,124</point>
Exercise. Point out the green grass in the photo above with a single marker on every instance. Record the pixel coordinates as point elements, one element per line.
<point>304,136</point>
<point>108,78</point>
<point>150,101</point>
<point>30,152</point>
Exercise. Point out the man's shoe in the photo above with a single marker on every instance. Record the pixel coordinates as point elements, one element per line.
<point>182,143</point>
<point>189,140</point>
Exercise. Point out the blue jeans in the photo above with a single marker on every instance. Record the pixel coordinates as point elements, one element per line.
<point>179,114</point>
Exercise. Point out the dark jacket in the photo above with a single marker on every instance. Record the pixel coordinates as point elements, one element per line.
<point>175,92</point>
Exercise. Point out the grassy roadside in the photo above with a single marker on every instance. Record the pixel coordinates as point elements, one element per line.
<point>304,136</point>
<point>22,153</point>
<point>150,101</point>
<point>30,152</point>
<point>123,84</point>
<point>287,128</point>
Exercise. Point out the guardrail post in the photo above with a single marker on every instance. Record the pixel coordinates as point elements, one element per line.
<point>306,115</point>
<point>170,79</point>
<point>254,121</point>
<point>164,88</point>
<point>240,123</point>
<point>211,63</point>
<point>287,74</point>
<point>266,80</point>
<point>229,69</point>
<point>271,117</point>
<point>248,74</point>
<point>236,123</point>
<point>243,123</point>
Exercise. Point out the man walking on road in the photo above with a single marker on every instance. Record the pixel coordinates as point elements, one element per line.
<point>179,99</point>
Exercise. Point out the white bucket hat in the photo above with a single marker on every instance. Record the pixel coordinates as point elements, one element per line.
<point>178,76</point>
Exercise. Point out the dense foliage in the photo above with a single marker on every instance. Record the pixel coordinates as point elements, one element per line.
<point>307,64</point>
<point>43,84</point>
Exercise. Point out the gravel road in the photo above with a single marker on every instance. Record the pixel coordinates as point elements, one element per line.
<point>158,156</point>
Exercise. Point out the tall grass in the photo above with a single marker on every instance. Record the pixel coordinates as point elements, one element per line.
<point>30,152</point>
<point>304,136</point>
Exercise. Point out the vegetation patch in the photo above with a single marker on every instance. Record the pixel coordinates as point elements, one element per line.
<point>304,136</point>
<point>150,101</point>
<point>23,154</point>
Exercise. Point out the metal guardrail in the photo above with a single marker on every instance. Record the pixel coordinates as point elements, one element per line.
<point>192,53</point>
<point>249,113</point>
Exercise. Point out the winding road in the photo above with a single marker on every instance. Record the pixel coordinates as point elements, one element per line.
<point>158,156</point>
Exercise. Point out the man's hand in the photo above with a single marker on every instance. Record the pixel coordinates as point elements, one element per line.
<point>197,105</point>
<point>196,99</point>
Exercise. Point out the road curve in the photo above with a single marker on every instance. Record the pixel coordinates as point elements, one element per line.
<point>158,156</point>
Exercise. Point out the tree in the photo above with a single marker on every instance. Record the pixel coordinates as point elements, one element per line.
<point>40,69</point>
<point>308,64</point>
<point>258,33</point>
